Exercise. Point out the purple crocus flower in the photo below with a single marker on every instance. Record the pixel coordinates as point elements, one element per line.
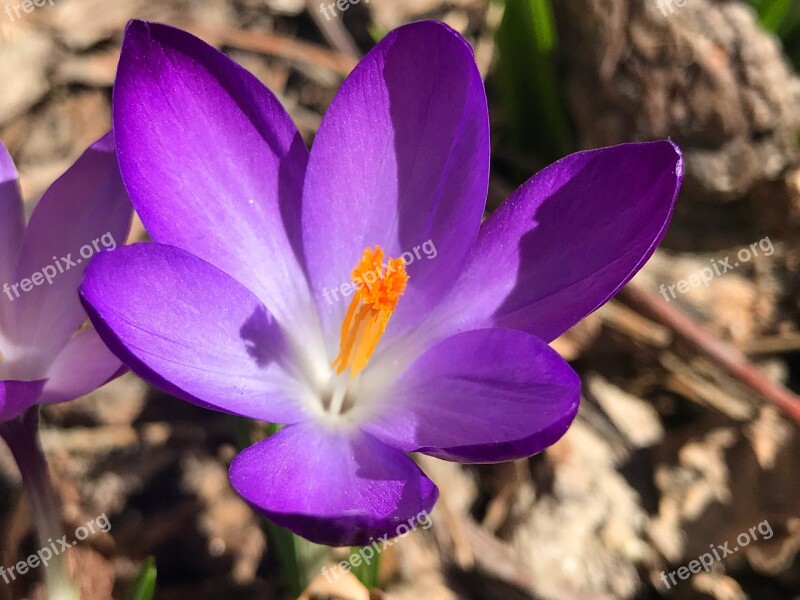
<point>48,351</point>
<point>351,292</point>
<point>45,354</point>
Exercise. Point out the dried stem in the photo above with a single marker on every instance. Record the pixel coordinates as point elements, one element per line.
<point>733,361</point>
<point>22,436</point>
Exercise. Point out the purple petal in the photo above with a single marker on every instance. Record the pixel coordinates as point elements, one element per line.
<point>17,396</point>
<point>490,395</point>
<point>12,226</point>
<point>401,157</point>
<point>192,330</point>
<point>332,487</point>
<point>212,161</point>
<point>566,241</point>
<point>83,365</point>
<point>83,213</point>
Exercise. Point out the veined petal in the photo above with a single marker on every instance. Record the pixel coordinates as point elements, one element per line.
<point>17,396</point>
<point>83,365</point>
<point>85,212</point>
<point>401,157</point>
<point>12,227</point>
<point>332,487</point>
<point>213,163</point>
<point>565,242</point>
<point>489,395</point>
<point>194,331</point>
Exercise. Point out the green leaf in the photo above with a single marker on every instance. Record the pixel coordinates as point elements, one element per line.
<point>790,26</point>
<point>273,428</point>
<point>299,559</point>
<point>367,574</point>
<point>782,17</point>
<point>772,13</point>
<point>529,89</point>
<point>376,32</point>
<point>145,586</point>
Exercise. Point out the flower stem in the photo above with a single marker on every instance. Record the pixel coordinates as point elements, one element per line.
<point>22,436</point>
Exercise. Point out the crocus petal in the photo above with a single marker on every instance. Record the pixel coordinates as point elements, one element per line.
<point>213,163</point>
<point>332,487</point>
<point>12,226</point>
<point>401,157</point>
<point>17,396</point>
<point>83,365</point>
<point>192,330</point>
<point>82,214</point>
<point>566,241</point>
<point>489,395</point>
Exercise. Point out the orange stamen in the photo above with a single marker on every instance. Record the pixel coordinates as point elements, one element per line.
<point>378,290</point>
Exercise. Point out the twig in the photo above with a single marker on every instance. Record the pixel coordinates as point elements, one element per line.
<point>333,30</point>
<point>775,344</point>
<point>632,324</point>
<point>706,342</point>
<point>276,45</point>
<point>495,557</point>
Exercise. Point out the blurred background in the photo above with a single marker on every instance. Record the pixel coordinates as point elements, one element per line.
<point>686,439</point>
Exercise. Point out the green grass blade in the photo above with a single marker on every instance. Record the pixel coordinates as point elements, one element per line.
<point>367,574</point>
<point>145,586</point>
<point>773,13</point>
<point>533,109</point>
<point>298,558</point>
